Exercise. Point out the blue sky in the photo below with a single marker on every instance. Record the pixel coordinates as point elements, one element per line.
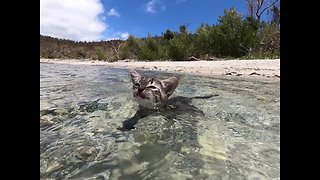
<point>94,20</point>
<point>167,14</point>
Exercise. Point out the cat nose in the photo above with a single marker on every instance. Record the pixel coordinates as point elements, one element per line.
<point>140,90</point>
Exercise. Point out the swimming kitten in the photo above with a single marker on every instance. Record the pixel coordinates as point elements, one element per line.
<point>151,92</point>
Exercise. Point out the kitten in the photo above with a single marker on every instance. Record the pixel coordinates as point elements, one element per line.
<point>151,92</point>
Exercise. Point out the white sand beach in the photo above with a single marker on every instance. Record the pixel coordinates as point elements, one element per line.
<point>256,69</point>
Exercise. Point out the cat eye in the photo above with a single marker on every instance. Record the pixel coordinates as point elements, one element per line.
<point>152,87</point>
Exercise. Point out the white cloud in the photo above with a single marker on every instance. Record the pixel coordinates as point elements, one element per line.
<point>78,20</point>
<point>113,12</point>
<point>118,35</point>
<point>152,6</point>
<point>124,35</point>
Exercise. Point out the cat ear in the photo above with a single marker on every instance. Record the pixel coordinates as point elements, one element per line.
<point>169,85</point>
<point>135,76</point>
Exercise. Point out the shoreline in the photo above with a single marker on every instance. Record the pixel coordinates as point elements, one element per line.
<point>264,69</point>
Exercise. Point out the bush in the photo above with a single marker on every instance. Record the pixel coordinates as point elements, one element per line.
<point>228,33</point>
<point>81,53</point>
<point>177,49</point>
<point>149,50</point>
<point>204,41</point>
<point>268,41</point>
<point>113,59</point>
<point>130,49</point>
<point>100,53</point>
<point>168,35</point>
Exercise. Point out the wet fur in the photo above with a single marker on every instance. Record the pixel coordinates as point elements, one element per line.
<point>151,92</point>
<point>171,138</point>
<point>155,93</point>
<point>171,109</point>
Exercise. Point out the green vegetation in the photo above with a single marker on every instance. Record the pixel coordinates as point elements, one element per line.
<point>233,36</point>
<point>67,49</point>
<point>100,53</point>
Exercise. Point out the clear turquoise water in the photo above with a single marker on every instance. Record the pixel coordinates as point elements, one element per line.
<point>235,134</point>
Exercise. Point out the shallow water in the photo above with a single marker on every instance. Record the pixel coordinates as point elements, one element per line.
<point>234,134</point>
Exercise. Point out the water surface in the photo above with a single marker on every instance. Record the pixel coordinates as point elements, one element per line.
<point>234,134</point>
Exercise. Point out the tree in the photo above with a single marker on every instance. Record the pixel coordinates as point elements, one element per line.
<point>100,53</point>
<point>130,49</point>
<point>257,7</point>
<point>149,50</point>
<point>228,29</point>
<point>275,12</point>
<point>168,35</point>
<point>205,41</point>
<point>177,49</point>
<point>183,29</point>
<point>267,42</point>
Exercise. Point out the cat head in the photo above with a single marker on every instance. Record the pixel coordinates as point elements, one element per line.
<point>149,92</point>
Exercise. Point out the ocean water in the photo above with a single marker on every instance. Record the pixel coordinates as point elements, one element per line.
<point>215,129</point>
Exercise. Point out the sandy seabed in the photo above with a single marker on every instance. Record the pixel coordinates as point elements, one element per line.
<point>264,69</point>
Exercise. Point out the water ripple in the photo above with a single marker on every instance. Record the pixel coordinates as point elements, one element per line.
<point>234,134</point>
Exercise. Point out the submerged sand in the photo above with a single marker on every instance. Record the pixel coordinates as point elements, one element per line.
<point>256,69</point>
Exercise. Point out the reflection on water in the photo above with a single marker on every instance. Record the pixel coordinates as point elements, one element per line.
<point>232,133</point>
